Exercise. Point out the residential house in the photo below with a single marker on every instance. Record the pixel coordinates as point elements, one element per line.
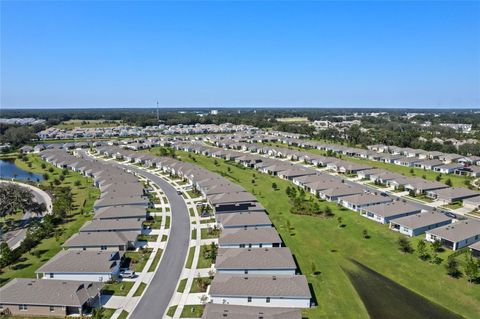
<point>258,261</point>
<point>249,237</point>
<point>384,213</point>
<point>361,201</point>
<point>452,194</point>
<point>418,224</point>
<point>224,311</point>
<point>289,291</point>
<point>24,297</point>
<point>456,235</point>
<point>82,265</point>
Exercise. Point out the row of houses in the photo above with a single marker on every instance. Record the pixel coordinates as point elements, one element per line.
<point>132,131</point>
<point>70,283</point>
<point>254,273</point>
<point>401,216</point>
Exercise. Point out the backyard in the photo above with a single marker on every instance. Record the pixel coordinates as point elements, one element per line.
<point>318,243</point>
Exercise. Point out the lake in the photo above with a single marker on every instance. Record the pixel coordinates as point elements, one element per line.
<point>9,170</point>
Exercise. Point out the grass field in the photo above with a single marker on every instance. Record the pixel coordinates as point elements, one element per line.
<point>140,289</point>
<point>156,260</point>
<point>118,288</point>
<point>192,311</point>
<point>84,197</point>
<point>293,119</point>
<point>71,124</point>
<point>318,243</point>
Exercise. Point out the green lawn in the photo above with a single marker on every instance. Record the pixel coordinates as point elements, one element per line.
<point>204,262</point>
<point>84,197</point>
<point>320,242</point>
<point>140,289</point>
<point>194,234</point>
<point>208,234</point>
<point>138,258</point>
<point>123,315</point>
<point>118,288</point>
<point>200,284</point>
<point>192,212</point>
<point>191,253</point>
<point>71,124</point>
<point>181,285</point>
<point>206,221</point>
<point>147,237</point>
<point>194,194</point>
<point>156,260</point>
<point>154,223</point>
<point>164,237</point>
<point>171,311</point>
<point>455,205</point>
<point>192,311</point>
<point>167,222</point>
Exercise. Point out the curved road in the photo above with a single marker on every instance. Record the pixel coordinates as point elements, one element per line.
<point>15,237</point>
<point>156,298</point>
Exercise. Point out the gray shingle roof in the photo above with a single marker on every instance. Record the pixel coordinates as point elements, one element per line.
<point>81,261</point>
<point>216,311</point>
<point>295,286</point>
<point>97,239</point>
<point>48,292</point>
<point>255,258</point>
<point>458,231</point>
<point>421,220</point>
<point>236,236</point>
<point>392,209</point>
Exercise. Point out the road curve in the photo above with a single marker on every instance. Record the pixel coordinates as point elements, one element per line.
<point>159,292</point>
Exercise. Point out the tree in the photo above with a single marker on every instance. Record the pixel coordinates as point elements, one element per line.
<point>6,255</point>
<point>77,183</point>
<point>435,246</point>
<point>18,136</point>
<point>274,186</point>
<point>314,268</point>
<point>448,182</point>
<point>404,245</point>
<point>422,250</point>
<point>340,221</point>
<point>328,211</point>
<point>438,178</point>
<point>470,268</point>
<point>13,198</point>
<point>452,267</point>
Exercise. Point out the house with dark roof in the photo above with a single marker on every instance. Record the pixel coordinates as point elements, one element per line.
<point>289,291</point>
<point>456,235</point>
<point>110,241</point>
<point>417,224</point>
<point>49,298</point>
<point>472,202</point>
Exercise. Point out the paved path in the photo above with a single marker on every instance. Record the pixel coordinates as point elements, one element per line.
<point>15,237</point>
<point>159,292</point>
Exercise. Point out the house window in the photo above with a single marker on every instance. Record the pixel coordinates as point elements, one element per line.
<point>22,307</point>
<point>268,300</point>
<point>52,308</point>
<point>51,275</point>
<point>242,245</point>
<point>245,271</point>
<point>249,299</point>
<point>103,247</point>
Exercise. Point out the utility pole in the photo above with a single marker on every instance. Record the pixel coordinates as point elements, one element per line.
<point>158,116</point>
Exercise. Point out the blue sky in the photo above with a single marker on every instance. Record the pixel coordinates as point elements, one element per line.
<point>65,54</point>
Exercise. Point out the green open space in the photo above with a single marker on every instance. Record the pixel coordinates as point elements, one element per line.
<point>123,315</point>
<point>319,244</point>
<point>71,124</point>
<point>118,288</point>
<point>210,233</point>
<point>191,253</point>
<point>200,284</point>
<point>141,288</point>
<point>156,260</point>
<point>192,311</point>
<point>144,237</point>
<point>181,285</point>
<point>137,259</point>
<point>84,196</point>
<point>203,260</point>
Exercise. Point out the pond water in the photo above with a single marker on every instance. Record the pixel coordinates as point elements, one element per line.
<point>9,170</point>
<point>385,298</point>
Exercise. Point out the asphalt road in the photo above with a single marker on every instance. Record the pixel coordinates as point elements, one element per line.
<point>15,237</point>
<point>156,298</point>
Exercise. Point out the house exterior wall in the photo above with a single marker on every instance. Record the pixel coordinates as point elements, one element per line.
<point>255,301</point>
<point>420,230</point>
<point>40,311</point>
<point>101,277</point>
<point>267,245</point>
<point>257,271</point>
